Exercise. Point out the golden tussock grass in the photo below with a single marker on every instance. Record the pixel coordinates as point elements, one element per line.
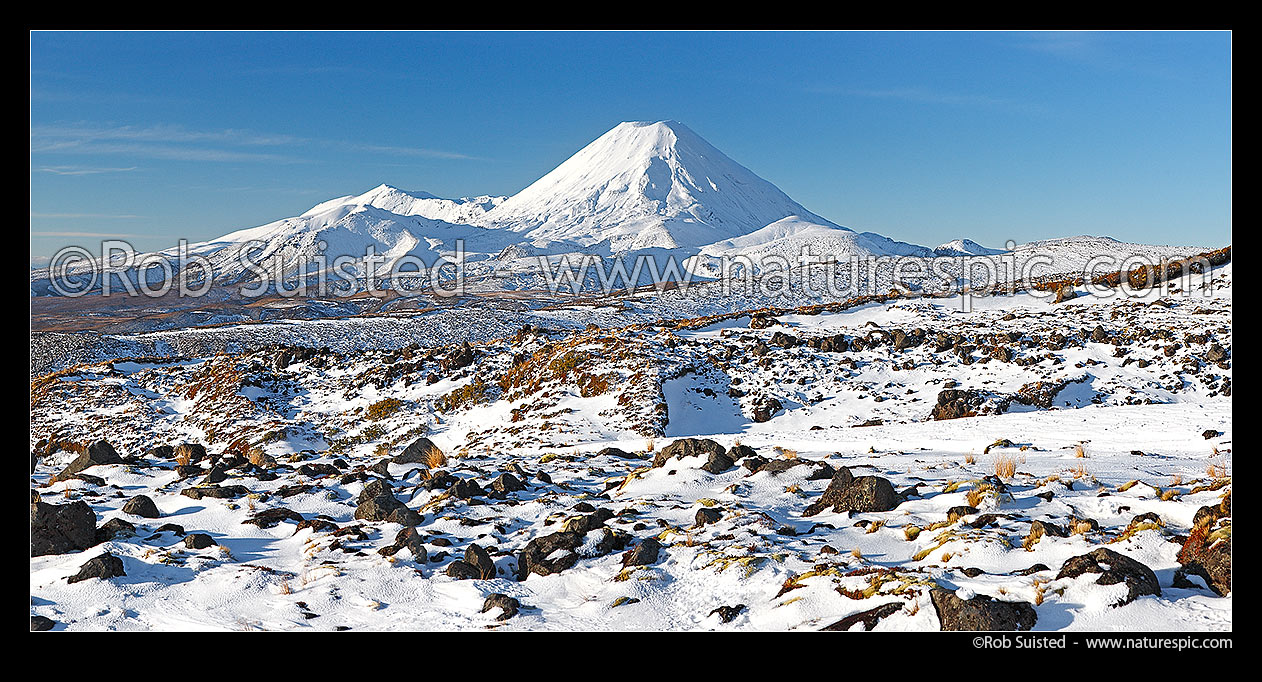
<point>1005,466</point>
<point>435,459</point>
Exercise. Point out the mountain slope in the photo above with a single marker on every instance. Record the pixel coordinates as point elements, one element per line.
<point>794,241</point>
<point>641,188</point>
<point>644,185</point>
<point>965,247</point>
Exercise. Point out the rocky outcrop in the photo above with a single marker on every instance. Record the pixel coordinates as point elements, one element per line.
<point>980,613</point>
<point>845,492</point>
<point>1113,569</point>
<point>61,528</point>
<point>96,454</point>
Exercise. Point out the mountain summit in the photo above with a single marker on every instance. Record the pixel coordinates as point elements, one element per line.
<point>640,186</point>
<point>644,185</point>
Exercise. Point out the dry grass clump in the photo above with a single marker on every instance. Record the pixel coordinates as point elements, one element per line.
<point>1079,452</point>
<point>258,458</point>
<point>1005,466</point>
<point>468,395</point>
<point>384,408</point>
<point>1216,471</point>
<point>1081,528</point>
<point>970,459</point>
<point>787,453</point>
<point>1032,539</point>
<point>435,459</point>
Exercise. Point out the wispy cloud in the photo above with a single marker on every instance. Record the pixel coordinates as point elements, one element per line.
<point>111,216</point>
<point>80,170</point>
<point>1137,52</point>
<point>1077,45</point>
<point>921,95</point>
<point>177,143</point>
<point>409,151</point>
<point>87,235</point>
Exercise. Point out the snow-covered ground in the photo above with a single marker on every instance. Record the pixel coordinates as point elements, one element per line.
<point>1080,417</point>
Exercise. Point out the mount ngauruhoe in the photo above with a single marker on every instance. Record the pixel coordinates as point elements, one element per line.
<point>640,186</point>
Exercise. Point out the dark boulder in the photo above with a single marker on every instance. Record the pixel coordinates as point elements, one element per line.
<point>199,541</point>
<point>727,614</point>
<point>417,452</point>
<point>956,513</point>
<point>317,469</point>
<point>104,567</point>
<point>862,494</point>
<point>615,452</point>
<point>466,488</point>
<point>505,603</point>
<point>405,516</point>
<point>507,483</point>
<point>142,506</point>
<point>478,557</point>
<point>114,528</point>
<point>1041,528</point>
<point>717,463</point>
<point>869,618</point>
<point>61,528</point>
<point>226,492</point>
<point>161,452</point>
<point>408,539</point>
<point>96,454</point>
<point>764,409</point>
<point>268,518</point>
<point>376,501</point>
<point>1206,556</point>
<point>708,515</point>
<point>687,447</point>
<point>588,522</point>
<point>644,554</point>
<point>537,556</point>
<point>980,613</point>
<point>217,474</point>
<point>956,403</point>
<point>193,452</point>
<point>1113,568</point>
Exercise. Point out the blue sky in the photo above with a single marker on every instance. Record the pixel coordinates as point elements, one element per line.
<point>920,136</point>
